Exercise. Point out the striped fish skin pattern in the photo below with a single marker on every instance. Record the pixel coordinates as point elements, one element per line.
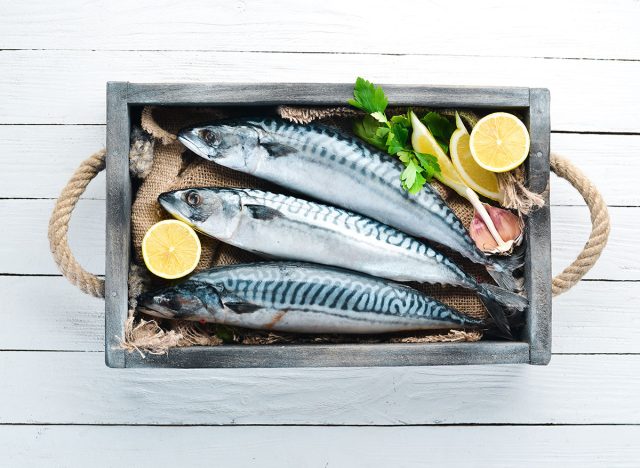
<point>281,226</point>
<point>333,167</point>
<point>302,298</point>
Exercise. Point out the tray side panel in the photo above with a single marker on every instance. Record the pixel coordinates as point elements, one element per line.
<point>352,355</point>
<point>321,94</point>
<point>538,258</point>
<point>118,224</point>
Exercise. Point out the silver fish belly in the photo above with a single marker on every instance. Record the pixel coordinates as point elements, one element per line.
<point>302,298</point>
<point>281,226</point>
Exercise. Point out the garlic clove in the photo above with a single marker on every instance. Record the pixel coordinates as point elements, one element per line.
<point>509,226</point>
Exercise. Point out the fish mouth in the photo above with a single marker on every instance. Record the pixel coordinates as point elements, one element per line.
<point>168,201</point>
<point>188,139</point>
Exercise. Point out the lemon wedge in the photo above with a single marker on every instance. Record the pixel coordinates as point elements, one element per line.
<point>171,249</point>
<point>499,142</point>
<point>424,142</point>
<point>479,179</point>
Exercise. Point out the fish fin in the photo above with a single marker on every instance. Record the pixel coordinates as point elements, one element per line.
<point>278,150</point>
<point>498,317</point>
<point>242,307</point>
<point>502,270</point>
<point>508,299</point>
<point>263,212</point>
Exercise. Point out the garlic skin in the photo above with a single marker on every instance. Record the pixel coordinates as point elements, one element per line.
<point>509,226</point>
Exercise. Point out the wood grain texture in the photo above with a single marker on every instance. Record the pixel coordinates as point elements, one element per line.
<point>348,447</point>
<point>487,28</point>
<point>48,313</point>
<point>612,162</point>
<point>79,97</point>
<point>25,247</point>
<point>620,260</point>
<point>537,269</point>
<point>118,221</point>
<point>80,389</point>
<point>51,153</point>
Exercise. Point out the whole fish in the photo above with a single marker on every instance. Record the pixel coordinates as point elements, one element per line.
<point>302,298</point>
<point>282,226</point>
<point>328,165</point>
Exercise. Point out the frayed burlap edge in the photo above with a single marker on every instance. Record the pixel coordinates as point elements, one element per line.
<point>149,336</point>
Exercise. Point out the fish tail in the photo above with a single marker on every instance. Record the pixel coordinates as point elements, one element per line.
<point>498,316</point>
<point>508,299</point>
<point>502,270</point>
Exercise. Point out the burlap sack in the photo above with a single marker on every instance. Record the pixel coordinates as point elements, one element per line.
<point>174,168</point>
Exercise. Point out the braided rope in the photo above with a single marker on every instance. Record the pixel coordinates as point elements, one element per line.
<point>59,226</point>
<point>91,284</point>
<point>600,225</point>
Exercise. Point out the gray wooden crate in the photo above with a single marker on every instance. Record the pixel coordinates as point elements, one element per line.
<point>535,344</point>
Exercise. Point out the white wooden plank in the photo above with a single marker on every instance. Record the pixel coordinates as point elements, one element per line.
<point>25,246</point>
<point>550,446</point>
<point>50,154</point>
<point>40,313</point>
<point>612,162</point>
<point>570,228</point>
<point>37,161</point>
<point>548,29</point>
<point>597,317</point>
<point>47,87</point>
<point>62,388</point>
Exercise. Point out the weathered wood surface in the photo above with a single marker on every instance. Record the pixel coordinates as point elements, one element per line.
<point>491,28</point>
<point>348,447</point>
<point>574,389</point>
<point>577,102</point>
<point>496,44</point>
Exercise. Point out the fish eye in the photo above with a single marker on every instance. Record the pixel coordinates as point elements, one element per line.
<point>193,198</point>
<point>208,136</point>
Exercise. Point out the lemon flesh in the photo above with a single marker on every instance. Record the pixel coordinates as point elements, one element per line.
<point>499,142</point>
<point>171,249</point>
<point>479,179</point>
<point>424,142</point>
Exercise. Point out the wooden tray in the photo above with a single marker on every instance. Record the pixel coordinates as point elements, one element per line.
<point>533,347</point>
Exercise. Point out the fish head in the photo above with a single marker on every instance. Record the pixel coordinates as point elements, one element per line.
<point>191,300</point>
<point>215,212</point>
<point>233,145</point>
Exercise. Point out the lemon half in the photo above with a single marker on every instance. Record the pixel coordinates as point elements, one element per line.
<point>499,142</point>
<point>171,249</point>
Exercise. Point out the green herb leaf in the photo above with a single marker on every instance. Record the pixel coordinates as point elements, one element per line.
<point>224,333</point>
<point>368,129</point>
<point>369,98</point>
<point>429,165</point>
<point>440,127</point>
<point>417,184</point>
<point>408,176</point>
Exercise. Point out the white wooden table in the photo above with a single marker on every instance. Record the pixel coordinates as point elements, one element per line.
<point>60,405</point>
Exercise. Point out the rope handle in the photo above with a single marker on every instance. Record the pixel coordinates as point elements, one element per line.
<point>93,285</point>
<point>59,226</point>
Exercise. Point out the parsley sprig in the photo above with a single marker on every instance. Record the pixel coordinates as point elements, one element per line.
<point>392,135</point>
